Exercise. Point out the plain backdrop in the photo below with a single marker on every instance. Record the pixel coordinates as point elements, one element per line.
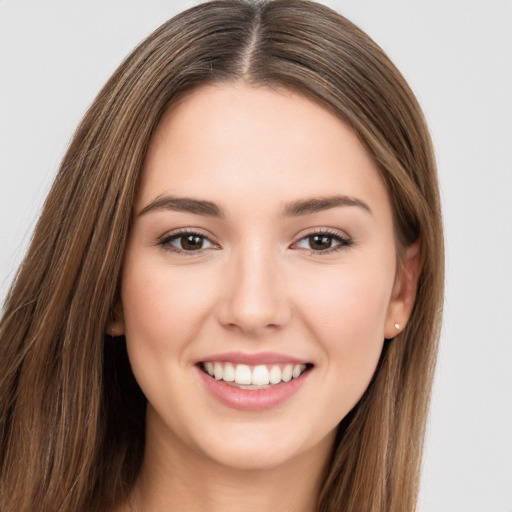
<point>457,55</point>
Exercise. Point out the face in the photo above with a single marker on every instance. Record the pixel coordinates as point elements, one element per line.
<point>260,276</point>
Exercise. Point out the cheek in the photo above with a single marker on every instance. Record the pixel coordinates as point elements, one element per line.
<point>160,304</point>
<point>163,309</point>
<point>347,319</point>
<point>347,301</point>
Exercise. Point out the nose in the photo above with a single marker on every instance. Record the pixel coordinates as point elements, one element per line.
<point>254,299</point>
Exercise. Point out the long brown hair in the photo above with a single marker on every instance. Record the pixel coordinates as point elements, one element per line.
<point>72,416</point>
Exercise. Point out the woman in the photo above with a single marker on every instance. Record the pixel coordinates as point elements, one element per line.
<point>235,284</point>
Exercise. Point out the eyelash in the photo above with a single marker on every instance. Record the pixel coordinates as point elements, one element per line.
<point>165,241</point>
<point>343,241</point>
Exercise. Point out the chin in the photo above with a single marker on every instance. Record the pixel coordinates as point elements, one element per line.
<point>252,458</point>
<point>254,450</point>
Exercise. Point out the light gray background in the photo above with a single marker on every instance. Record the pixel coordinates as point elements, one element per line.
<point>457,56</point>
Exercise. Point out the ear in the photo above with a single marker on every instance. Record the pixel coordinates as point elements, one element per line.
<point>115,326</point>
<point>404,292</point>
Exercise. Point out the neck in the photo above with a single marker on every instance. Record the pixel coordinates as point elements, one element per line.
<point>174,478</point>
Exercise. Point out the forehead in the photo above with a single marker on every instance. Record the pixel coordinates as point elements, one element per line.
<point>231,141</point>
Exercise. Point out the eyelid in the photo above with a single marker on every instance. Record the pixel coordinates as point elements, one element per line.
<point>345,240</point>
<point>165,241</point>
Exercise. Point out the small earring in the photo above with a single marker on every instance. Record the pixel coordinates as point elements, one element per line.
<point>112,333</point>
<point>397,326</point>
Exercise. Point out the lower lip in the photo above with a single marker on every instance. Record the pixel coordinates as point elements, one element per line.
<point>255,399</point>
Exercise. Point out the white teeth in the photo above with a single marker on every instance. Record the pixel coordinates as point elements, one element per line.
<point>260,375</point>
<point>275,375</point>
<point>297,370</point>
<point>229,373</point>
<point>287,373</point>
<point>217,371</point>
<point>209,368</point>
<point>243,374</point>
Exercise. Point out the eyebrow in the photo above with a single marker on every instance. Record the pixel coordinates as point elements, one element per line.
<point>317,204</point>
<point>293,209</point>
<point>183,204</point>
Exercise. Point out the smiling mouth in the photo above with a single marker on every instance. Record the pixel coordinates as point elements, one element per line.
<point>260,376</point>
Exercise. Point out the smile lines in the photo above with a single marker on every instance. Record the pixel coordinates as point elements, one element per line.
<point>260,375</point>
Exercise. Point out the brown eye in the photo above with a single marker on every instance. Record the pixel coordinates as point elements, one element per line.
<point>191,242</point>
<point>320,242</point>
<point>186,242</point>
<point>323,242</point>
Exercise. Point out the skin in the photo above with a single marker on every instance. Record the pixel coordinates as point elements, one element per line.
<point>256,285</point>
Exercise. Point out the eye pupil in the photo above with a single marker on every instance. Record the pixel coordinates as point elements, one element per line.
<point>320,242</point>
<point>191,242</point>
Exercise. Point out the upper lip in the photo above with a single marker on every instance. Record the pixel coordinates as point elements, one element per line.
<point>252,359</point>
